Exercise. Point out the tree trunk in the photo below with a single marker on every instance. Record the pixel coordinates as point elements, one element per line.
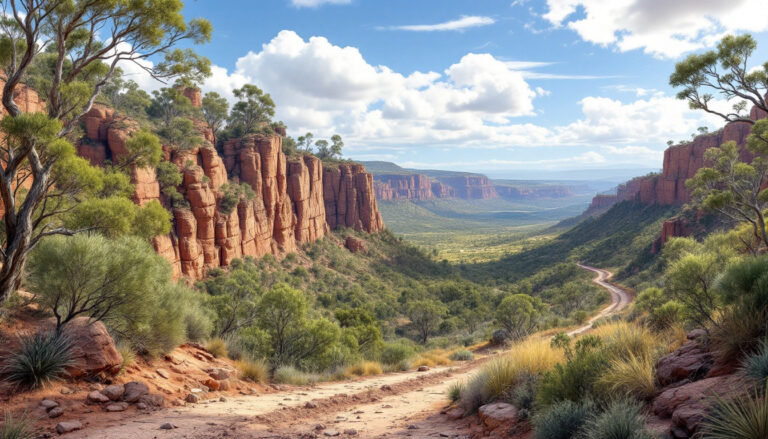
<point>16,251</point>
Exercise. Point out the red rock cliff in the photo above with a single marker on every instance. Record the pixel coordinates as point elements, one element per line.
<point>296,201</point>
<point>470,186</point>
<point>403,186</point>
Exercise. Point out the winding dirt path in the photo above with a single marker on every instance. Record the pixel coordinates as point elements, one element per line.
<point>402,404</point>
<point>619,298</point>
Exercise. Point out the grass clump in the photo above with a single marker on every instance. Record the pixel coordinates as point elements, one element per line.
<point>13,427</point>
<point>455,390</point>
<point>254,370</point>
<point>396,353</point>
<point>217,347</point>
<point>631,377</point>
<point>755,365</point>
<point>40,359</point>
<point>462,355</point>
<point>365,368</point>
<point>563,420</point>
<point>437,357</point>
<point>621,419</point>
<point>742,418</point>
<point>291,375</point>
<point>128,354</point>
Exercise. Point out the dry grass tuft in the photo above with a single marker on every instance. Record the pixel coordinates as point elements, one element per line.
<point>365,368</point>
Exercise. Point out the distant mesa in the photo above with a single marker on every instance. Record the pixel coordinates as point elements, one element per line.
<point>392,182</point>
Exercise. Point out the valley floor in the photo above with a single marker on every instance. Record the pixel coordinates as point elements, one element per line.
<point>403,404</point>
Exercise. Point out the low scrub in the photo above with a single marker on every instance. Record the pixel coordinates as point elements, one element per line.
<point>622,340</point>
<point>217,347</point>
<point>563,420</point>
<point>254,370</point>
<point>291,375</point>
<point>365,368</point>
<point>128,354</point>
<point>742,418</point>
<point>755,365</point>
<point>40,359</point>
<point>437,357</point>
<point>17,427</point>
<point>396,353</point>
<point>455,390</point>
<point>633,377</point>
<point>622,419</point>
<point>462,355</point>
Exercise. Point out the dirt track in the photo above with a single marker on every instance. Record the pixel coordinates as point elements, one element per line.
<point>396,405</point>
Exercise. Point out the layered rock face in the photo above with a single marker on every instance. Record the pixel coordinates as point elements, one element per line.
<point>404,186</point>
<point>296,201</point>
<point>526,193</point>
<point>681,163</point>
<point>471,187</point>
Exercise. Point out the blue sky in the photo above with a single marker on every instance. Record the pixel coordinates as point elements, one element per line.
<point>484,85</point>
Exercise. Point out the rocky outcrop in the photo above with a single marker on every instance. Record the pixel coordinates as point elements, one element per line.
<point>524,192</point>
<point>293,202</point>
<point>470,186</point>
<point>93,351</point>
<point>404,186</point>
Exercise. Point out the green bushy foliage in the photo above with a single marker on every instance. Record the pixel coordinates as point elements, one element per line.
<point>291,375</point>
<point>40,359</point>
<point>745,417</point>
<point>620,420</point>
<point>563,420</point>
<point>462,355</point>
<point>17,427</point>
<point>576,379</point>
<point>755,365</point>
<point>396,353</point>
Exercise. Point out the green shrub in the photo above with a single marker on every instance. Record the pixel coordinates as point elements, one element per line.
<point>455,390</point>
<point>755,365</point>
<point>462,355</point>
<point>523,395</point>
<point>562,420</point>
<point>574,380</point>
<point>621,420</point>
<point>291,375</point>
<point>742,418</point>
<point>396,353</point>
<point>256,370</point>
<point>475,393</point>
<point>128,354</point>
<point>217,347</point>
<point>40,359</point>
<point>17,427</point>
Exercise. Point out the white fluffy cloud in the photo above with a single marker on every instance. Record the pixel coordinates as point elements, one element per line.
<point>474,103</point>
<point>460,24</point>
<point>662,28</point>
<point>316,3</point>
<point>322,87</point>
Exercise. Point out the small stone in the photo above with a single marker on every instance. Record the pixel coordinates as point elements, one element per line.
<point>219,374</point>
<point>211,384</point>
<point>350,432</point>
<point>310,405</point>
<point>134,391</point>
<point>55,412</point>
<point>163,373</point>
<point>319,427</point>
<point>193,398</point>
<point>49,404</point>
<point>386,387</point>
<point>423,368</point>
<point>141,406</point>
<point>67,391</point>
<point>117,407</point>
<point>413,427</point>
<point>224,385</point>
<point>168,426</point>
<point>196,390</point>
<point>97,397</point>
<point>445,435</point>
<point>331,433</point>
<point>152,400</point>
<point>114,392</point>
<point>222,399</point>
<point>66,427</point>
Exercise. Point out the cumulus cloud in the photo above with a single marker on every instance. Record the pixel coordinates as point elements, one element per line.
<point>316,3</point>
<point>663,28</point>
<point>460,24</point>
<point>323,87</point>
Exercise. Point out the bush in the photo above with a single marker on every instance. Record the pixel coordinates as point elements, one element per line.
<point>217,347</point>
<point>462,355</point>
<point>291,375</point>
<point>621,420</point>
<point>365,368</point>
<point>455,390</point>
<point>742,418</point>
<point>632,377</point>
<point>574,380</point>
<point>40,359</point>
<point>256,370</point>
<point>563,420</point>
<point>475,393</point>
<point>755,365</point>
<point>396,353</point>
<point>13,427</point>
<point>436,357</point>
<point>738,333</point>
<point>128,354</point>
<point>623,340</point>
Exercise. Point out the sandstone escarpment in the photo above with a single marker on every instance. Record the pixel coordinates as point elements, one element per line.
<point>471,186</point>
<point>296,201</point>
<point>533,192</point>
<point>403,186</point>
